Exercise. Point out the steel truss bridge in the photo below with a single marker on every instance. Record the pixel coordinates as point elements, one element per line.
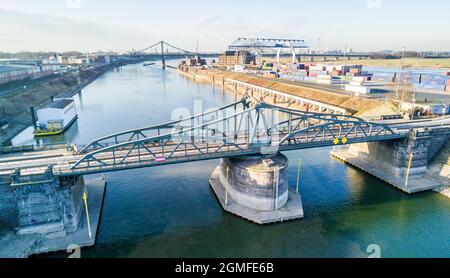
<point>246,127</point>
<point>164,50</point>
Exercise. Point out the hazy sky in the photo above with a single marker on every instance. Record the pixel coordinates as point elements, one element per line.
<point>120,25</point>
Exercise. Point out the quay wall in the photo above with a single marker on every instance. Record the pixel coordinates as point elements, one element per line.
<point>17,105</point>
<point>353,105</point>
<point>394,156</point>
<point>427,169</point>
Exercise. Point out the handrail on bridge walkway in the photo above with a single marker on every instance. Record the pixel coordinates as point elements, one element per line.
<point>244,127</point>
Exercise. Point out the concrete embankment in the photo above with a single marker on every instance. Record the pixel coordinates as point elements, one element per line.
<point>352,105</point>
<point>16,106</point>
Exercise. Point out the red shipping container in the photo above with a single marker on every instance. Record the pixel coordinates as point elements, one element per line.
<point>336,73</point>
<point>353,70</point>
<point>312,74</point>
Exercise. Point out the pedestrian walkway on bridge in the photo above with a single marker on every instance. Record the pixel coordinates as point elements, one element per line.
<point>246,127</point>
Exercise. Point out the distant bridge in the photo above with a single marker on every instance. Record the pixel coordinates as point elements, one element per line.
<point>164,50</point>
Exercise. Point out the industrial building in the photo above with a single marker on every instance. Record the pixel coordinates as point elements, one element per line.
<point>56,117</point>
<point>193,62</point>
<point>232,58</point>
<point>9,73</point>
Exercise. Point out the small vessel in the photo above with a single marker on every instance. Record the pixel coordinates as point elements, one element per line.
<point>148,64</point>
<point>55,118</point>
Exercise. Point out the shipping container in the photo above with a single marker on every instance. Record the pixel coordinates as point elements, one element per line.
<point>434,79</point>
<point>357,83</point>
<point>440,109</point>
<point>300,73</point>
<point>270,75</point>
<point>360,78</point>
<point>323,76</point>
<point>433,87</point>
<point>384,74</point>
<point>383,79</point>
<point>358,89</point>
<point>310,78</point>
<point>336,73</point>
<point>327,81</point>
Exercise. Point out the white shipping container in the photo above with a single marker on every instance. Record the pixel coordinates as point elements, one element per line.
<point>358,89</point>
<point>322,76</point>
<point>356,83</point>
<point>327,81</point>
<point>316,68</point>
<point>301,72</point>
<point>359,78</point>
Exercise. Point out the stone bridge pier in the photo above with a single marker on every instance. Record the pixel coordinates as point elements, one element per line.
<point>256,188</point>
<point>43,212</point>
<point>42,204</point>
<point>402,163</point>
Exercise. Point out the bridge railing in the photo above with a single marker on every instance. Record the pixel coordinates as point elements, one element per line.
<point>245,132</point>
<point>157,130</point>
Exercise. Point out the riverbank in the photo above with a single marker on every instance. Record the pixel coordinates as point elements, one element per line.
<point>356,106</point>
<point>16,106</point>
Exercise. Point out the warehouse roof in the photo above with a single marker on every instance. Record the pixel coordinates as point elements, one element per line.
<point>9,68</point>
<point>59,103</point>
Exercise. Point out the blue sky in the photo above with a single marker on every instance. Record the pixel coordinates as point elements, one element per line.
<point>120,25</point>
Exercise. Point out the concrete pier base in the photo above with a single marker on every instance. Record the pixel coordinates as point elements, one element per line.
<point>256,189</point>
<point>23,242</point>
<point>415,183</point>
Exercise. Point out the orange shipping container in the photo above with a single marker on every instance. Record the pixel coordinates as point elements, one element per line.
<point>270,75</point>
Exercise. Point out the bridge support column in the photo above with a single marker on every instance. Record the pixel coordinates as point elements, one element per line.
<point>401,163</point>
<point>49,209</point>
<point>256,188</point>
<point>45,207</point>
<point>163,58</point>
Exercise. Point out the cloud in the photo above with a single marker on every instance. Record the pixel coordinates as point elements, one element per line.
<point>25,31</point>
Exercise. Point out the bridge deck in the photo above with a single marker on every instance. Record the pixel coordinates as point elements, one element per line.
<point>247,131</point>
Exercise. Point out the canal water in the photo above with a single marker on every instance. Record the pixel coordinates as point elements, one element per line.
<point>171,211</point>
